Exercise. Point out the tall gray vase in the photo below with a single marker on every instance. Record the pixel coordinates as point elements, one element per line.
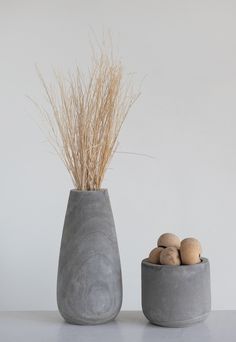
<point>89,283</point>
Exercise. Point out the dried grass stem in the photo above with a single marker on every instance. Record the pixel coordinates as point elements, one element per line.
<point>85,118</point>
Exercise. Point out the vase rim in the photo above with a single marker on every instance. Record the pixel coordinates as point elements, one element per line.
<point>96,190</point>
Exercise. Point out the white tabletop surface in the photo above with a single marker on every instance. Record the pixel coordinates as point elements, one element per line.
<point>47,326</point>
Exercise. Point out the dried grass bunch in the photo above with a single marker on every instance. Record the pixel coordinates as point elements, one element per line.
<point>85,117</point>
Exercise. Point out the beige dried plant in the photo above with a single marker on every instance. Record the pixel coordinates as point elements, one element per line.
<point>85,118</point>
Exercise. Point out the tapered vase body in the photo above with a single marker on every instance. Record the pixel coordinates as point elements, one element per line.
<point>89,283</point>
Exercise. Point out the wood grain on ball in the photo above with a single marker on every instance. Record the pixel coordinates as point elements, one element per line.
<point>168,240</point>
<point>190,251</point>
<point>154,256</point>
<point>170,256</point>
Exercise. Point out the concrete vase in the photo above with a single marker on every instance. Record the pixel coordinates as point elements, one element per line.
<point>176,296</point>
<point>89,283</point>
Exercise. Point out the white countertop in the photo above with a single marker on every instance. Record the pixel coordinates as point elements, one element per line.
<point>47,326</point>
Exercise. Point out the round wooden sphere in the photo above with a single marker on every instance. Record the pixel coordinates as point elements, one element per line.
<point>190,251</point>
<point>170,256</point>
<point>154,256</point>
<point>168,240</point>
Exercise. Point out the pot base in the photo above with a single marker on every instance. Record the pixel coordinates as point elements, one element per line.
<point>181,324</point>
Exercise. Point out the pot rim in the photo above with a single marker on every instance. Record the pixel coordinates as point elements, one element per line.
<point>149,264</point>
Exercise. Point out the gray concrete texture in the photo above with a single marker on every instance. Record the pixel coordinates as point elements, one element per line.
<point>176,296</point>
<point>89,284</point>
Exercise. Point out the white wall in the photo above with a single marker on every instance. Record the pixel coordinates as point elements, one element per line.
<point>185,119</point>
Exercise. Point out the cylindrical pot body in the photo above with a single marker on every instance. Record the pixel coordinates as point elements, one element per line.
<point>176,296</point>
<point>89,283</point>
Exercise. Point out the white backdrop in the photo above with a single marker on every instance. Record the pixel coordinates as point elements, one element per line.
<point>185,118</point>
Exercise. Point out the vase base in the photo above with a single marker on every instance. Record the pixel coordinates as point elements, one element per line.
<point>84,322</point>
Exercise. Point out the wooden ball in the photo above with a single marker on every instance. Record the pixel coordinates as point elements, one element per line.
<point>190,251</point>
<point>154,256</point>
<point>168,240</point>
<point>170,256</point>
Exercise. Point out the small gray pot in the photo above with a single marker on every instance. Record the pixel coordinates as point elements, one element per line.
<point>89,284</point>
<point>176,296</point>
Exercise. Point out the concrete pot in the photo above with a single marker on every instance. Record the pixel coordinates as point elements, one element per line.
<point>89,284</point>
<point>176,296</point>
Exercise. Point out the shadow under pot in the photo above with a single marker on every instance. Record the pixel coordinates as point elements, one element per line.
<point>176,296</point>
